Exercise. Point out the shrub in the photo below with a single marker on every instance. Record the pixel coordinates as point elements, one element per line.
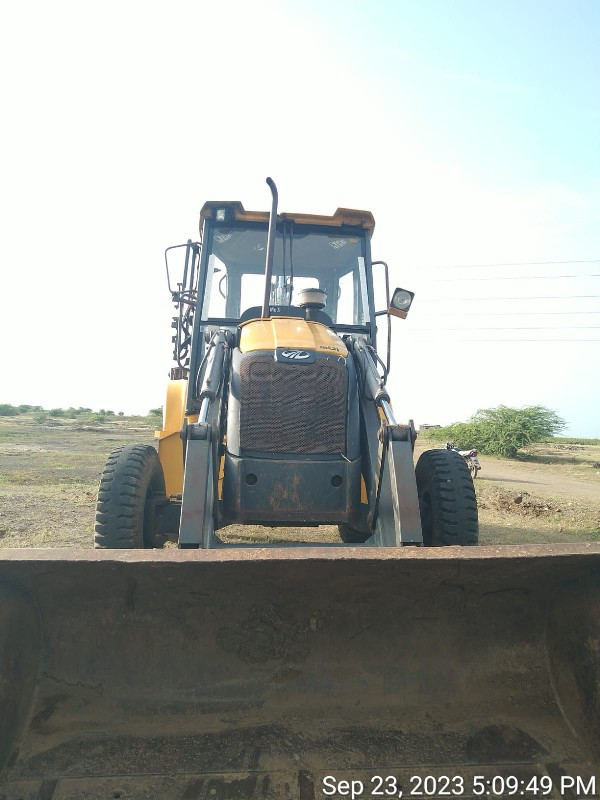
<point>156,412</point>
<point>56,412</point>
<point>76,412</point>
<point>502,431</point>
<point>6,410</point>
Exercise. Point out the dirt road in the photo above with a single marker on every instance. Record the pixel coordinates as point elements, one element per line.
<point>540,480</point>
<point>547,472</point>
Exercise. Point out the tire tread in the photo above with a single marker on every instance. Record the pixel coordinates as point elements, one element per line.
<point>444,476</point>
<point>130,470</point>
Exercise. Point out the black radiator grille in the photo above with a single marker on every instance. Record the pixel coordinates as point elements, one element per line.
<point>293,408</point>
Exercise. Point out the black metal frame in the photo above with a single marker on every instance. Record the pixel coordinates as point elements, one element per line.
<point>386,313</point>
<point>185,299</point>
<point>200,326</point>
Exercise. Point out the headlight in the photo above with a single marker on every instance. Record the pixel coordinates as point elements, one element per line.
<point>401,302</point>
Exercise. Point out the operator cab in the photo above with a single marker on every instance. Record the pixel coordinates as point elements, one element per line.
<point>319,267</point>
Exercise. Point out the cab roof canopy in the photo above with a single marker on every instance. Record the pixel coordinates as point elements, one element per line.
<point>235,211</point>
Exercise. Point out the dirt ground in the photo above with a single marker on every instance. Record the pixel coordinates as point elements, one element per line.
<point>49,474</point>
<point>551,493</point>
<point>549,477</point>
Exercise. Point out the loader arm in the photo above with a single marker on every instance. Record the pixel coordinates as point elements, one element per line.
<point>203,448</point>
<point>393,517</point>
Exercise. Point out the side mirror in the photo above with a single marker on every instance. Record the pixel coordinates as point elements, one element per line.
<point>186,268</point>
<point>400,303</point>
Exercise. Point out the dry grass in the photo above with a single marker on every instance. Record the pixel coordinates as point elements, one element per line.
<point>49,476</point>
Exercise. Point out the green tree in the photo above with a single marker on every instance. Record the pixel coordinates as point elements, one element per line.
<point>6,410</point>
<point>502,431</point>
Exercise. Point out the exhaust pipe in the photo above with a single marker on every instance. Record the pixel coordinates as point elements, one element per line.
<point>270,248</point>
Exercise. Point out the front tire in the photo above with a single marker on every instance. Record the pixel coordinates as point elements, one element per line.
<point>131,482</point>
<point>446,499</point>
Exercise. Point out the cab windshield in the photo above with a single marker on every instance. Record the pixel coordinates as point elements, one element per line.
<point>329,260</point>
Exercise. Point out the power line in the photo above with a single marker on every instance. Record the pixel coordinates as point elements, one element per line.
<point>506,313</point>
<point>504,328</point>
<point>531,297</point>
<point>436,341</point>
<point>513,264</point>
<point>518,278</point>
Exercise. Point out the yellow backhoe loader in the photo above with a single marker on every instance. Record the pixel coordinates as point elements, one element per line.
<point>401,662</point>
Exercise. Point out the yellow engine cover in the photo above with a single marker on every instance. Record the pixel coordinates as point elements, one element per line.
<point>292,332</point>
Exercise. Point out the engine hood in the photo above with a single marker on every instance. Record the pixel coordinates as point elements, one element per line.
<point>290,332</point>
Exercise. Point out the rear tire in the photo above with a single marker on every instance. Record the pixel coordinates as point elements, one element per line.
<point>131,481</point>
<point>446,499</point>
<point>350,535</point>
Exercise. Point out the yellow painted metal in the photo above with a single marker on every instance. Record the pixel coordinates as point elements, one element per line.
<point>293,332</point>
<point>170,446</point>
<point>221,477</point>
<point>364,497</point>
<point>343,216</point>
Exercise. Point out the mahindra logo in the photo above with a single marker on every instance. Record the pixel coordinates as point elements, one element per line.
<point>296,355</point>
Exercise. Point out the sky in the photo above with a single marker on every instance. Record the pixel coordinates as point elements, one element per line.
<point>470,129</point>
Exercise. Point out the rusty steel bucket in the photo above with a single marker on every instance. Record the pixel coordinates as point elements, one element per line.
<point>262,673</point>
